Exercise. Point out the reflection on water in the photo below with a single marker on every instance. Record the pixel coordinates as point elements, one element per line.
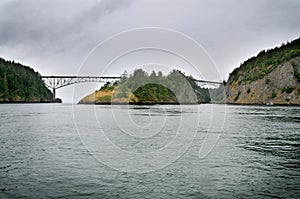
<point>258,155</point>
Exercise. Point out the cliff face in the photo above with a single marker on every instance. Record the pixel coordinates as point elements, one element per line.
<point>281,86</point>
<point>273,76</point>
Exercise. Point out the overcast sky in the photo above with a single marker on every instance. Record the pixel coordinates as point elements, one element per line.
<point>55,36</point>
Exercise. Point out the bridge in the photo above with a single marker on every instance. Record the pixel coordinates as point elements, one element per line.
<point>56,82</point>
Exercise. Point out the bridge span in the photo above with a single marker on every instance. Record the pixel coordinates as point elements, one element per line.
<point>56,82</point>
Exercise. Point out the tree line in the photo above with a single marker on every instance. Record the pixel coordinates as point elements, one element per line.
<point>19,83</point>
<point>265,62</point>
<point>141,87</point>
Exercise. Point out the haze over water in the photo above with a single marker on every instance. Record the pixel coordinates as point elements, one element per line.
<point>257,155</point>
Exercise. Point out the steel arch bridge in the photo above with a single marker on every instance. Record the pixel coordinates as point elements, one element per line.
<point>202,83</point>
<point>56,82</point>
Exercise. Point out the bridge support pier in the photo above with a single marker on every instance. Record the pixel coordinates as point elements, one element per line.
<point>54,94</point>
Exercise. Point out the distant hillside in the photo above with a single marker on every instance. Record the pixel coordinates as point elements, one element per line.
<point>20,83</point>
<point>271,76</point>
<point>141,88</point>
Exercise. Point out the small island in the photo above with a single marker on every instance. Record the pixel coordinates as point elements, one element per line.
<point>141,88</point>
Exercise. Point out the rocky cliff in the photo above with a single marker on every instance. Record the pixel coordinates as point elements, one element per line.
<point>273,77</point>
<point>278,87</point>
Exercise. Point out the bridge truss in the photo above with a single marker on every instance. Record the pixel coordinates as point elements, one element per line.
<point>204,83</point>
<point>56,82</point>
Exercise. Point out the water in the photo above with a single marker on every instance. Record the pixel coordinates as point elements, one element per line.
<point>256,156</point>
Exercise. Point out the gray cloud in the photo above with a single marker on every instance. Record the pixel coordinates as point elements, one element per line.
<point>55,36</point>
<point>50,25</point>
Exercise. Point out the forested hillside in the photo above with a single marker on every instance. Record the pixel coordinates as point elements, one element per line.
<point>273,76</point>
<point>265,62</point>
<point>20,83</point>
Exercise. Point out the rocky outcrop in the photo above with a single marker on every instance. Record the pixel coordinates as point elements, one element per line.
<point>281,87</point>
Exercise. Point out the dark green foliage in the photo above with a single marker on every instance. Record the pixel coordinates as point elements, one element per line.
<point>157,88</point>
<point>237,96</point>
<point>21,83</point>
<point>267,81</point>
<point>287,89</point>
<point>107,87</point>
<point>297,75</point>
<point>205,94</point>
<point>248,90</point>
<point>154,93</point>
<point>105,98</point>
<point>296,72</point>
<point>273,94</point>
<point>265,62</point>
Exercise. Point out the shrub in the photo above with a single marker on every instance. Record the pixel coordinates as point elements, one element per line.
<point>273,94</point>
<point>287,89</point>
<point>248,90</point>
<point>297,75</point>
<point>237,96</point>
<point>268,81</point>
<point>104,98</point>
